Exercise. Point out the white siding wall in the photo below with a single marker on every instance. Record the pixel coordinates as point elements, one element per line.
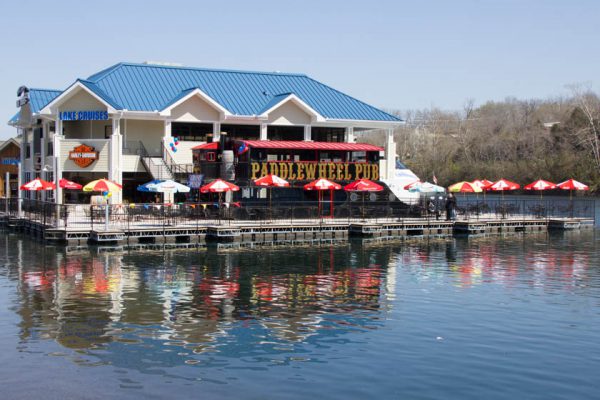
<point>132,163</point>
<point>184,152</point>
<point>150,133</point>
<point>100,165</point>
<point>194,110</point>
<point>289,114</point>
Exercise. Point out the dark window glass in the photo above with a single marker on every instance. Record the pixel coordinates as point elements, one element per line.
<point>327,134</point>
<point>285,133</point>
<point>190,131</point>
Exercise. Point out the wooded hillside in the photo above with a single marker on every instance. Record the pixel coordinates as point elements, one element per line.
<point>520,140</point>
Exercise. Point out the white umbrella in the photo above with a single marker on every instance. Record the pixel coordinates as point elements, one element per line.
<point>425,187</point>
<point>167,186</point>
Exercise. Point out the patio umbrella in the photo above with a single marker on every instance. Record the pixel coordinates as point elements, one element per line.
<point>67,184</point>
<point>424,187</point>
<point>168,186</point>
<point>145,187</point>
<point>104,186</point>
<point>320,185</point>
<point>502,185</point>
<point>271,181</point>
<point>219,186</point>
<point>464,187</point>
<point>363,186</point>
<point>540,185</point>
<point>38,184</point>
<point>571,185</point>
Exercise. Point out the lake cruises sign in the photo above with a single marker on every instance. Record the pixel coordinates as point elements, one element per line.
<point>83,155</point>
<point>308,171</point>
<point>83,115</point>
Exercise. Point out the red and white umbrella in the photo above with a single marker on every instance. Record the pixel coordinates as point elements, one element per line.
<point>482,183</point>
<point>572,184</point>
<point>219,186</point>
<point>540,185</point>
<point>38,184</point>
<point>67,184</point>
<point>320,185</point>
<point>503,185</point>
<point>363,185</point>
<point>271,181</point>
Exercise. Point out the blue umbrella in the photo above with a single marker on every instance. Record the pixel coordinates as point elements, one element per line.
<point>145,187</point>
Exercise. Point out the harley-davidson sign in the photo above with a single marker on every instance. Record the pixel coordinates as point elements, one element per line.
<point>83,155</point>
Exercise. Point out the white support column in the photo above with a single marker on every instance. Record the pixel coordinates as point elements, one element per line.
<point>216,131</point>
<point>307,133</point>
<point>390,155</point>
<point>349,134</point>
<point>43,148</point>
<point>264,130</point>
<point>115,167</point>
<point>57,166</point>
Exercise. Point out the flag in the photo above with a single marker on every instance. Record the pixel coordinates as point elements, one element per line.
<point>434,178</point>
<point>242,149</point>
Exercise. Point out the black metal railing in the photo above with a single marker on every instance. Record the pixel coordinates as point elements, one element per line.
<point>124,216</point>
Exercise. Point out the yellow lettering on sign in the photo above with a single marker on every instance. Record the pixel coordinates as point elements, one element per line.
<point>367,171</point>
<point>311,170</point>
<point>255,169</point>
<point>291,173</point>
<point>375,172</point>
<point>300,171</point>
<point>264,171</point>
<point>322,170</point>
<point>339,171</point>
<point>347,176</point>
<point>283,170</point>
<point>358,168</point>
<point>331,169</point>
<point>274,169</point>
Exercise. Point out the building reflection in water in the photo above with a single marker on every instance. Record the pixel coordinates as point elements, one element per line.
<point>151,308</point>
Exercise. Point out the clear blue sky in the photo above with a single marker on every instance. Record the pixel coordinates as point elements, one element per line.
<point>392,54</point>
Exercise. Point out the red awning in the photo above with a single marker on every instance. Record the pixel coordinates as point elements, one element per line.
<point>207,146</point>
<point>301,145</point>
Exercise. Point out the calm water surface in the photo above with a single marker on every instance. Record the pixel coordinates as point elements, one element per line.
<point>485,318</point>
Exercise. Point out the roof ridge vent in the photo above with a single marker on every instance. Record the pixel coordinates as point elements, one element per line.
<point>163,63</point>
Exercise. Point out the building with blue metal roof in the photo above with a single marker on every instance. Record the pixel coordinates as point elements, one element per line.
<point>129,114</point>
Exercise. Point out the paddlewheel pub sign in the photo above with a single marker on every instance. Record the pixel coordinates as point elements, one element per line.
<point>83,155</point>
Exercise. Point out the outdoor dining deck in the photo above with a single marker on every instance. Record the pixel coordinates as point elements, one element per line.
<point>197,223</point>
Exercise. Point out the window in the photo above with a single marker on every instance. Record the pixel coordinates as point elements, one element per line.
<point>285,132</point>
<point>50,149</point>
<point>28,151</point>
<point>210,156</point>
<point>248,132</point>
<point>190,131</point>
<point>328,134</point>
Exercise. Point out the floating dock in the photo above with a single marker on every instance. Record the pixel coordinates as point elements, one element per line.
<point>277,231</point>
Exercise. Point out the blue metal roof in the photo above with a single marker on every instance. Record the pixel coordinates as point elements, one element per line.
<point>147,87</point>
<point>38,98</point>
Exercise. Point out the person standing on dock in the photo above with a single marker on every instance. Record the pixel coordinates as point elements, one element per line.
<point>450,207</point>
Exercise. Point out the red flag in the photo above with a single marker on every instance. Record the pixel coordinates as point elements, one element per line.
<point>434,178</point>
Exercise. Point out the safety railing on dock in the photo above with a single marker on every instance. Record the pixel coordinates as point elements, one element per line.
<point>128,216</point>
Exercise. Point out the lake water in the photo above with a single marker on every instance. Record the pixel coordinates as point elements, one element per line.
<point>482,318</point>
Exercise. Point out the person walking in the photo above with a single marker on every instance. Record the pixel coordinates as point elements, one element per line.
<point>450,207</point>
